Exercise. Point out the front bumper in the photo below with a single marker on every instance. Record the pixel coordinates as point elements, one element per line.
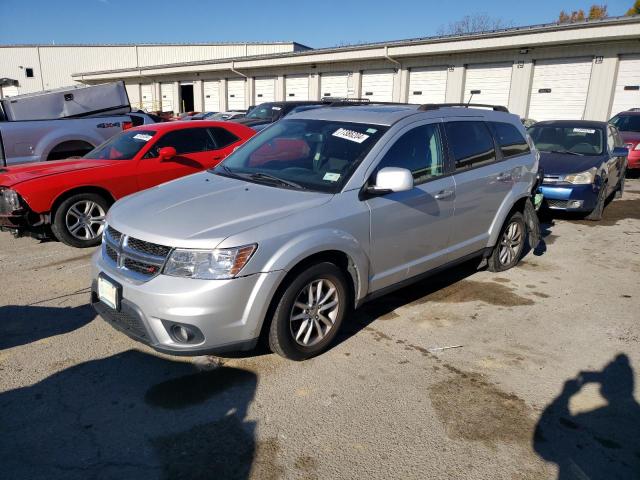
<point>23,223</point>
<point>572,198</point>
<point>227,313</point>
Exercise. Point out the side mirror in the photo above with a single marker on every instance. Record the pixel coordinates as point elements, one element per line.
<point>167,153</point>
<point>620,152</point>
<point>392,179</point>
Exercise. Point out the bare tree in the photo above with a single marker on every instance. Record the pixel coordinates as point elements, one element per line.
<point>474,23</point>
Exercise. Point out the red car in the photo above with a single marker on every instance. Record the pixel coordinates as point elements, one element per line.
<point>70,198</point>
<point>628,124</point>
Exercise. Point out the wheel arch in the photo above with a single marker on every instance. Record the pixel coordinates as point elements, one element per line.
<point>508,207</point>
<point>71,146</point>
<point>76,190</point>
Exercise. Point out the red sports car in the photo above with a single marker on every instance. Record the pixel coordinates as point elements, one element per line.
<point>70,198</point>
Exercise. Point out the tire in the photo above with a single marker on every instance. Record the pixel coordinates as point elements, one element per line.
<point>596,213</point>
<point>79,220</point>
<point>620,188</point>
<point>290,333</point>
<point>508,250</point>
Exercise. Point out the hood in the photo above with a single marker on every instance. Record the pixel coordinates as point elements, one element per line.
<point>251,122</point>
<point>10,176</point>
<point>563,163</point>
<point>201,210</point>
<point>630,136</point>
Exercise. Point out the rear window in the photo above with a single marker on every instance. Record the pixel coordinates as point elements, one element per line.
<point>509,138</point>
<point>470,143</point>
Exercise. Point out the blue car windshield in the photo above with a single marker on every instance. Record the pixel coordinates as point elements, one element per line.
<point>570,139</point>
<point>303,154</point>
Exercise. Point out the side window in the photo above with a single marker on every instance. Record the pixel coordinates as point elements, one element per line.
<point>471,144</point>
<point>222,137</point>
<point>419,150</point>
<point>509,138</point>
<point>191,140</point>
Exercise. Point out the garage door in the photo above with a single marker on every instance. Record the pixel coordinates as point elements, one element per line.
<point>489,83</point>
<point>211,91</point>
<point>428,85</point>
<point>297,87</point>
<point>133,91</point>
<point>265,90</point>
<point>334,85</point>
<point>235,94</point>
<point>377,85</point>
<point>146,93</point>
<point>559,89</point>
<point>166,92</point>
<point>627,93</point>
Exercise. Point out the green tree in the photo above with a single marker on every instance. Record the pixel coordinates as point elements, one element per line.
<point>635,10</point>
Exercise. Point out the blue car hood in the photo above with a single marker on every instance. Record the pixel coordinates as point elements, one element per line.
<point>563,163</point>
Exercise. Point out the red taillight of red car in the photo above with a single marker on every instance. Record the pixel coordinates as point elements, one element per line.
<point>127,125</point>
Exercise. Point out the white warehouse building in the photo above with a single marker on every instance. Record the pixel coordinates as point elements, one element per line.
<point>587,70</point>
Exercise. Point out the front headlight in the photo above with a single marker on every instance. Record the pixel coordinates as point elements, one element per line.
<point>11,199</point>
<point>637,146</point>
<point>218,264</point>
<point>583,178</point>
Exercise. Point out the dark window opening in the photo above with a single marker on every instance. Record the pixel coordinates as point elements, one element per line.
<point>186,94</point>
<point>28,72</point>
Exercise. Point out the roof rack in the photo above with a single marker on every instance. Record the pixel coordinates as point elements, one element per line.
<point>344,99</point>
<point>436,106</point>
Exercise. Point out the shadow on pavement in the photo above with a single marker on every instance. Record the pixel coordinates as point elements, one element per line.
<point>132,415</point>
<point>603,443</point>
<point>20,324</point>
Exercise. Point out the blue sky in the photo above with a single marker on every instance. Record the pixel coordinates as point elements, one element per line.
<point>315,23</point>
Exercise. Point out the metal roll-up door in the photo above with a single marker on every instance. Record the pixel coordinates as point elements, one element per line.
<point>166,100</point>
<point>377,85</point>
<point>488,83</point>
<point>265,90</point>
<point>627,92</point>
<point>428,85</point>
<point>235,94</point>
<point>559,89</point>
<point>334,85</point>
<point>146,97</point>
<point>211,91</point>
<point>297,87</point>
<point>133,92</point>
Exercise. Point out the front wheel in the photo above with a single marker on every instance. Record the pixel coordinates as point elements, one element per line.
<point>507,252</point>
<point>79,220</point>
<point>596,213</point>
<point>309,312</point>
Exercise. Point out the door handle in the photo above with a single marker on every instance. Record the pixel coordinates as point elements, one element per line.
<point>442,194</point>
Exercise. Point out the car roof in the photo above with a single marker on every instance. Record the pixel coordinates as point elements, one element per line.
<point>388,114</point>
<point>177,125</point>
<point>627,113</point>
<point>573,123</point>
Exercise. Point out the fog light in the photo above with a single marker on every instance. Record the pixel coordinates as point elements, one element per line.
<point>182,334</point>
<point>575,204</point>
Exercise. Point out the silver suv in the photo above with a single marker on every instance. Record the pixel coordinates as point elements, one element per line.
<point>317,214</point>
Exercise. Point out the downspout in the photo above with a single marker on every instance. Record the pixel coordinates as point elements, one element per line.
<point>386,55</point>
<point>233,69</point>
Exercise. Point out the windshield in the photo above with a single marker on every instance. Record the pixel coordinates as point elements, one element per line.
<point>266,111</point>
<point>626,123</point>
<point>306,154</point>
<point>123,146</point>
<point>575,140</point>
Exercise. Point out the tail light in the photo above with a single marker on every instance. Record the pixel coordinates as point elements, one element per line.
<point>127,125</point>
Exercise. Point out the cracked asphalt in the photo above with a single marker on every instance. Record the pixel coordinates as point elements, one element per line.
<point>541,386</point>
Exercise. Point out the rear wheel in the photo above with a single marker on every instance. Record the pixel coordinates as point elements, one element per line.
<point>507,252</point>
<point>79,220</point>
<point>309,312</point>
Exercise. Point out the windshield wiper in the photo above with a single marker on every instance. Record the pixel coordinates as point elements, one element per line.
<point>567,152</point>
<point>228,172</point>
<point>273,178</point>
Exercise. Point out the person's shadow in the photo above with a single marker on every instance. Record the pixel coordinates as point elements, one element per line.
<point>132,415</point>
<point>603,443</point>
<point>22,324</point>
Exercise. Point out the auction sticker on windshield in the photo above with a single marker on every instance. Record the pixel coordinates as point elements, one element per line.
<point>142,136</point>
<point>331,177</point>
<point>584,130</point>
<point>350,135</point>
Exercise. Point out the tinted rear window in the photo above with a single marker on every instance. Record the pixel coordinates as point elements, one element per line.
<point>470,143</point>
<point>509,138</point>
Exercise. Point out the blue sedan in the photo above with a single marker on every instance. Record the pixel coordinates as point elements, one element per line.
<point>584,163</point>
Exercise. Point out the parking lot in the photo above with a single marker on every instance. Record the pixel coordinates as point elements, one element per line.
<point>80,400</point>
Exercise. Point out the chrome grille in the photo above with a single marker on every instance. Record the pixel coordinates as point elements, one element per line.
<point>135,258</point>
<point>556,203</point>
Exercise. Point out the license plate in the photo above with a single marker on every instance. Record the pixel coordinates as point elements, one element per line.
<point>108,293</point>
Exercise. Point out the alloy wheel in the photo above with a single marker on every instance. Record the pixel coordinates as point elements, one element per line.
<point>511,243</point>
<point>314,312</point>
<point>85,220</point>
